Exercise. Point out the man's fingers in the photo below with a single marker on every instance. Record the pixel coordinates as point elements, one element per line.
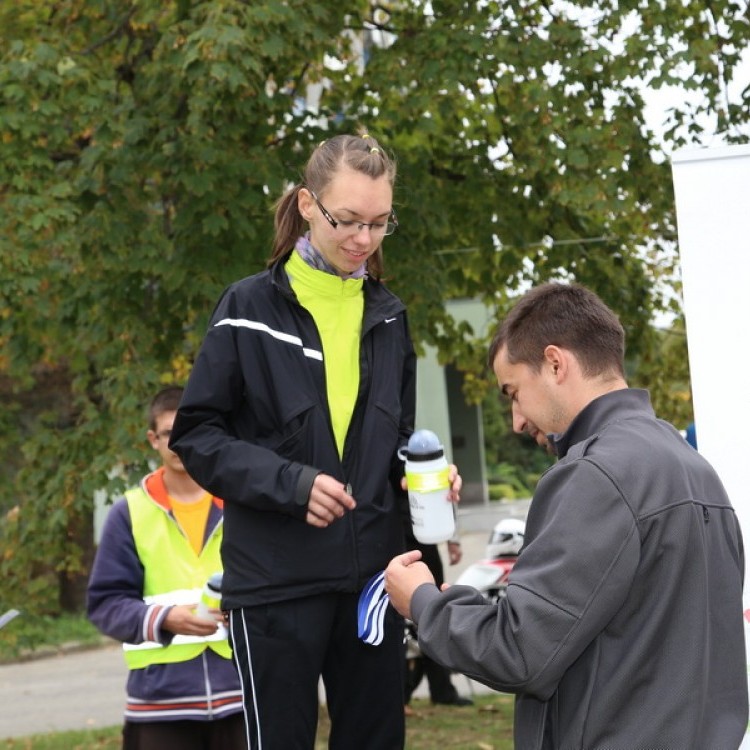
<point>409,557</point>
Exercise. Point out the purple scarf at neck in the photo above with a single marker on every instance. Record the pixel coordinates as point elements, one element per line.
<point>314,259</point>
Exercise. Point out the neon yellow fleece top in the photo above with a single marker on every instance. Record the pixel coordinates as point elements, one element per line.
<point>337,306</point>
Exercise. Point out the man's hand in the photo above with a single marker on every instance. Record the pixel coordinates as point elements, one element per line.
<point>182,620</point>
<point>454,552</point>
<point>403,576</point>
<point>329,500</point>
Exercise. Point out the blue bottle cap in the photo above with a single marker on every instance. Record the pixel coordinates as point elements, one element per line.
<point>423,445</point>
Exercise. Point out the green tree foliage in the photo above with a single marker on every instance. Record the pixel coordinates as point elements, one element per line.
<point>143,143</point>
<point>511,458</point>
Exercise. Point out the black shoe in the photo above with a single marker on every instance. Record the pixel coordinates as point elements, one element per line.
<point>457,701</point>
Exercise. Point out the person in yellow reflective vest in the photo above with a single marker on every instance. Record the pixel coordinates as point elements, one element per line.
<point>159,546</point>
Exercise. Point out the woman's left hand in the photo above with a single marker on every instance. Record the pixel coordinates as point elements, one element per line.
<point>454,494</point>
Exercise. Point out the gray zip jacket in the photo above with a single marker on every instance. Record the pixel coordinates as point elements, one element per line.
<point>622,628</point>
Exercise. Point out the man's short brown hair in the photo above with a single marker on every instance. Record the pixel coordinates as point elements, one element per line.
<point>566,315</point>
<point>167,399</point>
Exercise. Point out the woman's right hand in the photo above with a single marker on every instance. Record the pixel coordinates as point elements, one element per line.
<point>329,500</point>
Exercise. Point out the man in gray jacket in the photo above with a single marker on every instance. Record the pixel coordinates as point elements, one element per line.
<point>622,627</point>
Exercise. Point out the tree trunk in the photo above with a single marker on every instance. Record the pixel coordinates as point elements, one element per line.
<point>72,583</point>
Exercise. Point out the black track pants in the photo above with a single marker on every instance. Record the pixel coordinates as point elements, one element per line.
<point>283,648</point>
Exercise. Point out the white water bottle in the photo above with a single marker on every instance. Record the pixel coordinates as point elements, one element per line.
<point>432,517</point>
<point>210,598</point>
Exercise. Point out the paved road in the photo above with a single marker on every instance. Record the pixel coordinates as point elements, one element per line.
<point>72,691</point>
<point>86,689</point>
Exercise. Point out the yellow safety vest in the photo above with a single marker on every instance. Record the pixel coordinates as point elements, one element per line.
<point>173,574</point>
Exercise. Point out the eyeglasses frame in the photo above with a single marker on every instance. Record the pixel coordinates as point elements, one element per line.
<point>334,223</point>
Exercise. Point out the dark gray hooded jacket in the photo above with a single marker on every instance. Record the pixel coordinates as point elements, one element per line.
<point>622,628</point>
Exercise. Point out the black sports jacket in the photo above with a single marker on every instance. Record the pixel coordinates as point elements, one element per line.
<point>253,428</point>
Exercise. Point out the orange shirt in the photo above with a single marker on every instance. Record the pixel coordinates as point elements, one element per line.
<point>192,518</point>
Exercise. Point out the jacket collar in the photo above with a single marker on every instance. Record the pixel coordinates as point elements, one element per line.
<point>153,485</point>
<point>610,407</point>
<point>380,302</point>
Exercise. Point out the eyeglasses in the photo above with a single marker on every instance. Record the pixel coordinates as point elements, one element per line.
<point>164,434</point>
<point>377,229</point>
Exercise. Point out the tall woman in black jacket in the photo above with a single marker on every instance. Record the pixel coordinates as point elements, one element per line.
<point>303,391</point>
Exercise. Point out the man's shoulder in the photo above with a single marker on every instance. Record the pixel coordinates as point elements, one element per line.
<point>136,492</point>
<point>118,521</point>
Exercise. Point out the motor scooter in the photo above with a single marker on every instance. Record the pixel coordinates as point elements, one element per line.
<point>490,575</point>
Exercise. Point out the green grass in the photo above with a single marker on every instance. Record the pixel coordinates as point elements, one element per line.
<point>487,725</point>
<point>86,739</point>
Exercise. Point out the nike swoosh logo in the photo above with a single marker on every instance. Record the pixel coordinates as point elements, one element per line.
<point>389,320</point>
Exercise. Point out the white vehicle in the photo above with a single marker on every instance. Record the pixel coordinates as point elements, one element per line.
<point>490,575</point>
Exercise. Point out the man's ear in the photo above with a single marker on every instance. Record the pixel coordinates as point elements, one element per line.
<point>556,359</point>
<point>152,439</point>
